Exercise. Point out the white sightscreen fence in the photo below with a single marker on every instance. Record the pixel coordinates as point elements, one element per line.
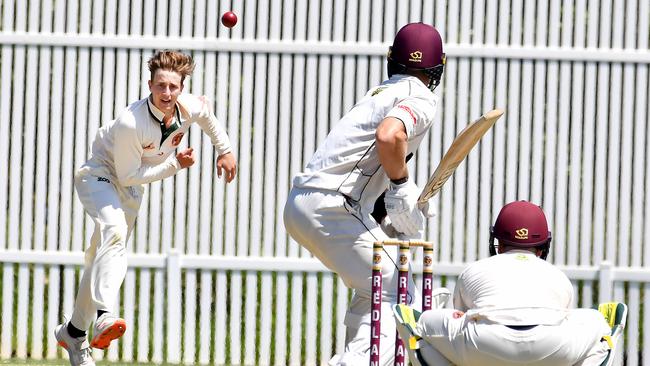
<point>213,277</point>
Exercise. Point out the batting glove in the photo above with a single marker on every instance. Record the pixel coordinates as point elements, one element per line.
<point>388,228</point>
<point>402,208</point>
<point>427,209</point>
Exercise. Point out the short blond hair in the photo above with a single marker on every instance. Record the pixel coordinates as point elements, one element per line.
<point>171,61</point>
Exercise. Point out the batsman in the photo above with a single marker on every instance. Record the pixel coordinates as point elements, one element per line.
<point>330,206</point>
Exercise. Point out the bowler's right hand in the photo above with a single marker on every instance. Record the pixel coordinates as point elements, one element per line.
<point>186,158</point>
<point>228,164</point>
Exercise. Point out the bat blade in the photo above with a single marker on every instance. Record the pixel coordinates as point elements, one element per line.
<point>457,152</point>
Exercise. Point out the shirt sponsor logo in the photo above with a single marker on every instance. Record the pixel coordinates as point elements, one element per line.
<point>416,56</point>
<point>521,234</point>
<point>409,111</point>
<point>102,179</point>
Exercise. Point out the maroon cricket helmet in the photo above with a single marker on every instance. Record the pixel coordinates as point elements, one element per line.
<point>521,224</point>
<point>417,46</point>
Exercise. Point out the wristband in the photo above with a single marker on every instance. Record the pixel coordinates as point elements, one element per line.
<point>400,181</point>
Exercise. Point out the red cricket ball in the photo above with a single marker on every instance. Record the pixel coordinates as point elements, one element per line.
<point>229,19</point>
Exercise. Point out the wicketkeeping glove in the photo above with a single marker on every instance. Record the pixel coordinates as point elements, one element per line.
<point>401,202</point>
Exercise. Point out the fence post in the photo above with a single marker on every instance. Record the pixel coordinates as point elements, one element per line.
<point>7,311</point>
<point>174,299</point>
<point>605,282</point>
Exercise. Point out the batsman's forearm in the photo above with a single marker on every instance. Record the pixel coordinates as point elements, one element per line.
<point>392,144</point>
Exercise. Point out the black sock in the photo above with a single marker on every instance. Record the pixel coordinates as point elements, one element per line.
<point>74,332</point>
<point>100,313</point>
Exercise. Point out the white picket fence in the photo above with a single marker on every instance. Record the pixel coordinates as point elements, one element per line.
<point>203,329</point>
<point>214,278</point>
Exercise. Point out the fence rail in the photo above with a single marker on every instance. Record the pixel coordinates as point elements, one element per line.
<point>604,272</point>
<point>312,47</point>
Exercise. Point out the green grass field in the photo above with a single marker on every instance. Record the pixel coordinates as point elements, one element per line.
<point>13,362</point>
<point>34,362</point>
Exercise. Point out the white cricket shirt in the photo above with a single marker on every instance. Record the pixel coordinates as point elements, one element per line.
<point>132,150</point>
<point>514,288</point>
<point>347,162</point>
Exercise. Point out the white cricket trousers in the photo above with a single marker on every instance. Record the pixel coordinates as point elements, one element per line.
<point>452,339</point>
<point>113,210</point>
<point>342,238</point>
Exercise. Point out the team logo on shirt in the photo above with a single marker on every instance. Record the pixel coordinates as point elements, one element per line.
<point>377,91</point>
<point>177,139</point>
<point>416,56</point>
<point>521,234</point>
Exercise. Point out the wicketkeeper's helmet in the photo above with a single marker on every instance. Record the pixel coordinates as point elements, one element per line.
<point>521,224</point>
<point>417,46</point>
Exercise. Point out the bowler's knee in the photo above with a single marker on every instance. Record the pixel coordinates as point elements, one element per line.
<point>114,235</point>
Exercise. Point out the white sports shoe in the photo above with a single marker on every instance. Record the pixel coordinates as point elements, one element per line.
<point>107,328</point>
<point>78,348</point>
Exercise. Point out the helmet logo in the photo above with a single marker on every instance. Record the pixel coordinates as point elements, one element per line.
<point>521,234</point>
<point>416,56</point>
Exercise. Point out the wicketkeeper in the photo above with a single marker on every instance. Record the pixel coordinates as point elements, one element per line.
<point>513,308</point>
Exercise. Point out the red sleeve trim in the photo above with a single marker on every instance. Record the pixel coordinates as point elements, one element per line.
<point>409,111</point>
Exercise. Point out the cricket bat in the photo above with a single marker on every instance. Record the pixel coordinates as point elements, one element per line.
<point>457,152</point>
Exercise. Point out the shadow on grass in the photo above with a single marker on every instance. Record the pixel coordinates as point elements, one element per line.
<point>17,362</point>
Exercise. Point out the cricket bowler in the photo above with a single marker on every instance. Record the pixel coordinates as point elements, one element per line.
<point>136,148</point>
